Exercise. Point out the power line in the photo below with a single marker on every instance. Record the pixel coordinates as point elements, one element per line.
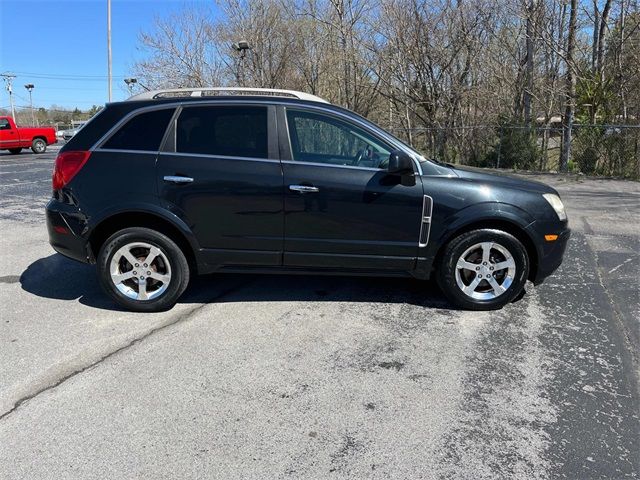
<point>63,75</point>
<point>73,89</point>
<point>47,109</point>
<point>62,79</point>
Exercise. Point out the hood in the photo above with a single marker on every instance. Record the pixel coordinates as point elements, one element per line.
<point>501,179</point>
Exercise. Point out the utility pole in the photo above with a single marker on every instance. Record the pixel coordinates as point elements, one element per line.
<point>570,93</point>
<point>30,87</point>
<point>109,44</point>
<point>8,79</point>
<point>528,90</point>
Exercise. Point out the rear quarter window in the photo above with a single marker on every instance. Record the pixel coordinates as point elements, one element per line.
<point>143,132</point>
<point>99,125</point>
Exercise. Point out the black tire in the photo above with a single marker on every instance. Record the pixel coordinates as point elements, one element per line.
<point>170,252</point>
<point>38,145</point>
<point>467,242</point>
<point>15,151</point>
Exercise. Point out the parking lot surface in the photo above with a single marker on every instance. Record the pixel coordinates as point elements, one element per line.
<point>320,377</point>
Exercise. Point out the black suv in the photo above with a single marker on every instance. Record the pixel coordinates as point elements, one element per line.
<point>174,183</point>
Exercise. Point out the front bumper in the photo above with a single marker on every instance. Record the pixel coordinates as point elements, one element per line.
<point>65,230</point>
<point>550,254</point>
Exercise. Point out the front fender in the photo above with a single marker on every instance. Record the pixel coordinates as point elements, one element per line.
<point>487,211</point>
<point>445,227</point>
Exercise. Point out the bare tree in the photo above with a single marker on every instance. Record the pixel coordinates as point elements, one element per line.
<point>181,51</point>
<point>448,75</point>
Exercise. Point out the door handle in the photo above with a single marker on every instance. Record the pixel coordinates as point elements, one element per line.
<point>303,188</point>
<point>177,179</point>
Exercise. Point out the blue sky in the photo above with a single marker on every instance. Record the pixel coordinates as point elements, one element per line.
<point>61,47</point>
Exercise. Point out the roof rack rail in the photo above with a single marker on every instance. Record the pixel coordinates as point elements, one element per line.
<point>223,91</point>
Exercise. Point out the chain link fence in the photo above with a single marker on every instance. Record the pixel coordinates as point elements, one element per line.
<point>600,150</point>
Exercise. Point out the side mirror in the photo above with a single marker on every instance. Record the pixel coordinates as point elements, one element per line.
<point>400,163</point>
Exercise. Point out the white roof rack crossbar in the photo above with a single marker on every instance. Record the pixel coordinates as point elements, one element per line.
<point>222,91</point>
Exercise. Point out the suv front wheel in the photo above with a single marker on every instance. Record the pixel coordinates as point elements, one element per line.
<point>483,269</point>
<point>142,269</point>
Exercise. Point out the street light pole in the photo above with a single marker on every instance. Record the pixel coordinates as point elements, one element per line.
<point>131,82</point>
<point>30,87</point>
<point>109,43</point>
<point>241,47</point>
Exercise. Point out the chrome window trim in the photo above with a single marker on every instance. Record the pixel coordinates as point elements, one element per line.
<point>168,105</point>
<point>286,119</point>
<point>124,150</point>
<point>125,119</point>
<point>184,106</point>
<point>222,157</point>
<point>333,165</point>
<point>312,106</point>
<point>376,131</point>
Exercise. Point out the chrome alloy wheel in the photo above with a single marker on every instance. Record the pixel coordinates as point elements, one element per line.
<point>140,271</point>
<point>485,271</point>
<point>39,146</point>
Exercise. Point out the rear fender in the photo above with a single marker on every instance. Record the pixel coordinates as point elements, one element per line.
<point>145,209</point>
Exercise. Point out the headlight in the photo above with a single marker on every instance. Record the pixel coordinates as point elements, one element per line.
<point>556,203</point>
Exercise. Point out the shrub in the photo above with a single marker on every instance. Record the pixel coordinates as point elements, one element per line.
<point>516,148</point>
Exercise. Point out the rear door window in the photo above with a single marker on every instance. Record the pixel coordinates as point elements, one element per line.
<point>229,131</point>
<point>143,132</point>
<point>4,124</point>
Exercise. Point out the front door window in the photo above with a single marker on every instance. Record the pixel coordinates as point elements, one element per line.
<point>325,139</point>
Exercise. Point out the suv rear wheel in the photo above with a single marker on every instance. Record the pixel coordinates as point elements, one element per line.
<point>483,269</point>
<point>142,269</point>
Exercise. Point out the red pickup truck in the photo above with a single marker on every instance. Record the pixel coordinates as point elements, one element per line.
<point>15,139</point>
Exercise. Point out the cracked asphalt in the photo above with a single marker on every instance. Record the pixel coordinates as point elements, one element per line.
<point>302,377</point>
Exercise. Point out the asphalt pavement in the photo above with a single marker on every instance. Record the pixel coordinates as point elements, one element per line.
<point>299,377</point>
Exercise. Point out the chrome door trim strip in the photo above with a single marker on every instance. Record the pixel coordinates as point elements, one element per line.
<point>221,157</point>
<point>116,150</point>
<point>333,165</point>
